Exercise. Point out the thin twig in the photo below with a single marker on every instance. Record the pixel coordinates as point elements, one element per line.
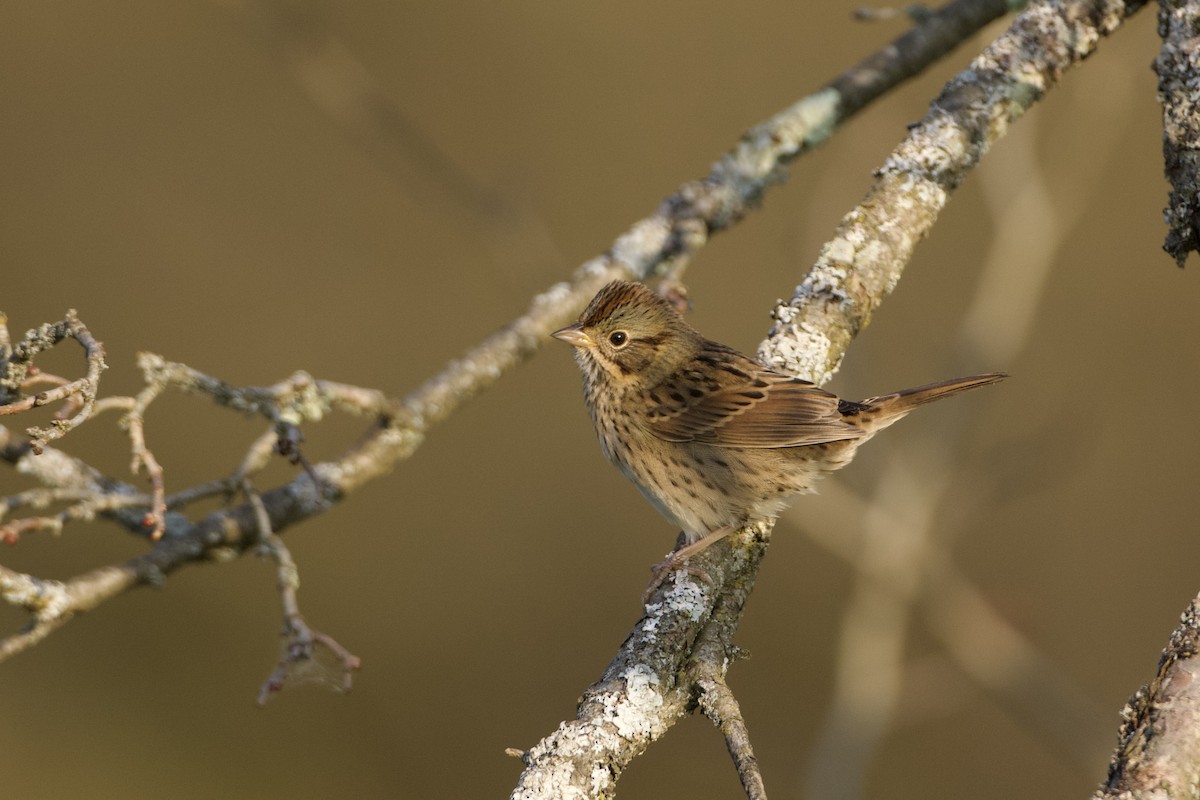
<point>17,369</point>
<point>719,705</point>
<point>66,478</point>
<point>56,603</point>
<point>88,504</point>
<point>300,640</point>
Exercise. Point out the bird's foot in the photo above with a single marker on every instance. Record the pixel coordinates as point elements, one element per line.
<point>668,565</point>
<point>679,560</point>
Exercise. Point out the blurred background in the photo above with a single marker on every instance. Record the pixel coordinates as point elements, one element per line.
<point>194,179</point>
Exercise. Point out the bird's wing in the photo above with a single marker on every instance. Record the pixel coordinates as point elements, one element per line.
<point>726,399</point>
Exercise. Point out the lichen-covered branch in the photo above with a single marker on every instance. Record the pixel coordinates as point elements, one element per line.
<point>863,261</point>
<point>710,660</point>
<point>719,704</point>
<point>1158,750</point>
<point>1178,68</point>
<point>55,603</point>
<point>686,633</point>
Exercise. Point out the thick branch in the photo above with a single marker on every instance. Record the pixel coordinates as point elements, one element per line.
<point>863,262</point>
<point>685,632</point>
<point>1158,751</point>
<point>1178,68</point>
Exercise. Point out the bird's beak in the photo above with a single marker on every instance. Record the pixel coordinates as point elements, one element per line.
<point>574,336</point>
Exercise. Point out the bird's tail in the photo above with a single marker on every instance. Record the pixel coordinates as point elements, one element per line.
<point>879,412</point>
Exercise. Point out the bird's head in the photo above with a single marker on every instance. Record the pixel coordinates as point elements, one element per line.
<point>631,334</point>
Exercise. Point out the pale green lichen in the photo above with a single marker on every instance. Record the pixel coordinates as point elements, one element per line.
<point>801,351</point>
<point>634,712</point>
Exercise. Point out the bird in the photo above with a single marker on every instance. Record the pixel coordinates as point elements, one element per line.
<point>712,438</point>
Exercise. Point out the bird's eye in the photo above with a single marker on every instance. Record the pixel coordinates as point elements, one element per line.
<point>618,338</point>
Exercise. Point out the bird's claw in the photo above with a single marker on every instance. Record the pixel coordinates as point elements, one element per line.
<point>668,565</point>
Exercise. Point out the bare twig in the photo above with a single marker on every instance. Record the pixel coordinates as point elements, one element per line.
<point>719,705</point>
<point>56,470</point>
<point>55,603</point>
<point>155,520</point>
<point>709,662</point>
<point>916,13</point>
<point>17,370</point>
<point>85,505</point>
<point>300,642</point>
<point>68,479</point>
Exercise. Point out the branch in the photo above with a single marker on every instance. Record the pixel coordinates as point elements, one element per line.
<point>17,373</point>
<point>684,633</point>
<point>863,261</point>
<point>1178,68</point>
<point>303,645</point>
<point>1158,749</point>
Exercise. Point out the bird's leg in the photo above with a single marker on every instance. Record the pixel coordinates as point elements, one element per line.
<point>678,559</point>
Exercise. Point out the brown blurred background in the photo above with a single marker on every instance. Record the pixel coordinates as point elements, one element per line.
<point>183,174</point>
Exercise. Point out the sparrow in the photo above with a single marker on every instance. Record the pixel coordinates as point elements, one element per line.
<point>713,439</point>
